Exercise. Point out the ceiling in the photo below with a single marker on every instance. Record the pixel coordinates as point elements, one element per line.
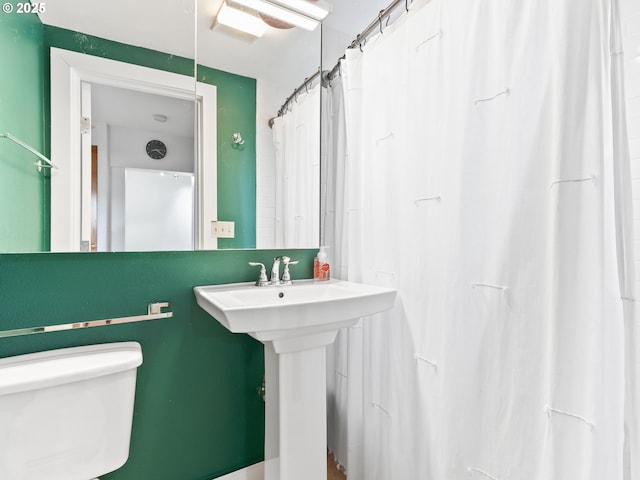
<point>282,57</point>
<point>135,109</point>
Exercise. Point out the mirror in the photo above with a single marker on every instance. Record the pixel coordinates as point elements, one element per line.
<point>252,79</point>
<point>269,68</point>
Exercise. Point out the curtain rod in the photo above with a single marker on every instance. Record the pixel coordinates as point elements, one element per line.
<point>305,86</point>
<point>357,42</point>
<point>369,29</point>
<point>377,23</point>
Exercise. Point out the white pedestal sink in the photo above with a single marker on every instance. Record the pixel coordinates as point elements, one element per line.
<point>295,323</point>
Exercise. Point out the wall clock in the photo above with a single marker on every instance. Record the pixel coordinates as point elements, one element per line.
<point>156,149</point>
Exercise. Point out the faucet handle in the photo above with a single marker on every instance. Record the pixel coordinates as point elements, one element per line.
<point>286,278</point>
<point>287,261</point>
<point>262,279</point>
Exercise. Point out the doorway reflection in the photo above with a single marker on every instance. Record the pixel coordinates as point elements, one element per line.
<point>144,177</point>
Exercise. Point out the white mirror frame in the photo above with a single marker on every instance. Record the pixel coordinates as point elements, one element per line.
<point>68,71</point>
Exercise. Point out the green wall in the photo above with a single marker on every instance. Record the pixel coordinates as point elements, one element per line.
<point>236,166</point>
<point>22,188</point>
<point>24,112</point>
<point>197,412</point>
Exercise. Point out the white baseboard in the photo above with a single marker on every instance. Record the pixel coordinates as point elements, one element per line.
<point>253,472</point>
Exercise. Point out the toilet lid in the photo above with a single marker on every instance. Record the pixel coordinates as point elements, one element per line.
<point>56,367</point>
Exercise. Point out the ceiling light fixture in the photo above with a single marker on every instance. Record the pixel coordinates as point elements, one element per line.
<point>317,9</point>
<point>301,13</point>
<point>240,20</point>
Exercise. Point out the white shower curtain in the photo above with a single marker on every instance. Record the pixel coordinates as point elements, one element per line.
<point>485,176</point>
<point>296,136</point>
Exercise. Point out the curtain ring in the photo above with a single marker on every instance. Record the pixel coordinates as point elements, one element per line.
<point>406,5</point>
<point>358,41</point>
<point>380,20</point>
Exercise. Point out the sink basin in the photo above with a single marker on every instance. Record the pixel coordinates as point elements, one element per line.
<point>295,323</point>
<point>304,308</point>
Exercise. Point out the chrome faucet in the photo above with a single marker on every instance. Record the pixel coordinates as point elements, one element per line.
<point>286,278</point>
<point>275,271</point>
<point>262,279</point>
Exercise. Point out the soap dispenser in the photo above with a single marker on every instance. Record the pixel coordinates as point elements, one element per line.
<point>321,268</point>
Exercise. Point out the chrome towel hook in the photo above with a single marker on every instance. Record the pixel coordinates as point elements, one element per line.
<point>237,139</point>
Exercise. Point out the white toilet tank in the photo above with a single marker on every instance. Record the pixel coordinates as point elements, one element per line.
<point>66,414</point>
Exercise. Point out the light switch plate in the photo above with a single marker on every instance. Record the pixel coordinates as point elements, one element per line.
<point>223,229</point>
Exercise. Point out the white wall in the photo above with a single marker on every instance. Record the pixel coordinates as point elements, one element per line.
<point>127,149</point>
<point>630,16</point>
<point>120,148</point>
<point>269,99</point>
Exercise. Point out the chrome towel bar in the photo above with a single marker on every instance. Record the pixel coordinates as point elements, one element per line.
<point>154,312</point>
<point>28,147</point>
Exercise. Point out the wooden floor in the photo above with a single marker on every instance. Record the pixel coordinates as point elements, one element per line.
<point>332,471</point>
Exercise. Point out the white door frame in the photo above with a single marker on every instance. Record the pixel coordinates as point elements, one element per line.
<point>68,71</point>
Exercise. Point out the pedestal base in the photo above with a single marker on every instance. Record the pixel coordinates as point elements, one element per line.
<point>296,420</point>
